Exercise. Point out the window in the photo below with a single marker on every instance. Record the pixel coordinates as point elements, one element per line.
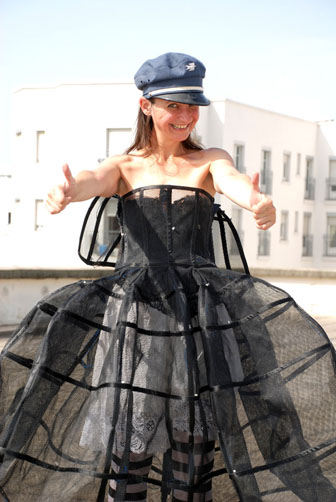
<point>109,230</point>
<point>117,141</point>
<point>284,226</point>
<point>330,237</point>
<point>264,243</point>
<point>286,167</point>
<point>309,193</point>
<point>9,221</point>
<point>309,167</point>
<point>40,214</point>
<point>112,228</point>
<point>298,163</point>
<point>307,237</point>
<point>237,214</point>
<point>331,180</point>
<point>239,152</point>
<point>265,172</point>
<point>40,146</point>
<point>296,222</point>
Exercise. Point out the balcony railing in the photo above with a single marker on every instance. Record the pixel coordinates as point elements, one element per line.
<point>264,244</point>
<point>331,189</point>
<point>307,245</point>
<point>329,245</point>
<point>266,178</point>
<point>309,193</point>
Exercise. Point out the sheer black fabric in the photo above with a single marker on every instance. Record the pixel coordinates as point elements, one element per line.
<point>121,388</point>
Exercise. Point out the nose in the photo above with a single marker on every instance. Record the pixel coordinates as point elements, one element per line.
<point>186,114</point>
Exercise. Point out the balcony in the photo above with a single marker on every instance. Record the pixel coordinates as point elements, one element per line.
<point>329,242</point>
<point>266,178</point>
<point>309,193</point>
<point>331,189</point>
<point>264,244</point>
<point>307,245</point>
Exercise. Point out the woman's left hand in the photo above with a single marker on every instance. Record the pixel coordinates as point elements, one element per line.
<point>261,206</point>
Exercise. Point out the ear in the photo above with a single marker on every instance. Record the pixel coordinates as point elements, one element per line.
<point>145,105</point>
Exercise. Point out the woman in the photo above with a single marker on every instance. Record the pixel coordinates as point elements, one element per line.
<point>128,382</point>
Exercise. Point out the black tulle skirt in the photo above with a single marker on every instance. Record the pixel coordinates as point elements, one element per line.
<point>133,365</point>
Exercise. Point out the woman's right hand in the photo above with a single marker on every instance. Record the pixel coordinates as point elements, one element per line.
<point>261,205</point>
<point>61,195</point>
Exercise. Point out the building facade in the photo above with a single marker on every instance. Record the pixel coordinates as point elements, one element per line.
<point>83,124</point>
<point>296,160</point>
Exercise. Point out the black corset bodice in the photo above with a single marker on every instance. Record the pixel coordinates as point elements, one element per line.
<point>165,224</point>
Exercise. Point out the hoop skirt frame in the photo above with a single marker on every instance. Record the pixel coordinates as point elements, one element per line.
<point>168,346</point>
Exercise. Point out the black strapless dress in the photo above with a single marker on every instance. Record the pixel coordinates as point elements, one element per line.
<point>168,350</point>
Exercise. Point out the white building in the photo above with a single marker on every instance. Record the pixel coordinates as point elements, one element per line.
<point>297,164</point>
<point>80,124</point>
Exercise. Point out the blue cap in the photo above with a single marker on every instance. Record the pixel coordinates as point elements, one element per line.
<point>174,77</point>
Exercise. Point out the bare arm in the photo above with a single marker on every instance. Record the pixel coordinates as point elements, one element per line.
<point>241,189</point>
<point>103,181</point>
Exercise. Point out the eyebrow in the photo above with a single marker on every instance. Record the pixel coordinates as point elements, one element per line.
<point>178,103</point>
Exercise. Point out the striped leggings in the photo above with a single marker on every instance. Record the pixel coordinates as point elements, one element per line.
<point>140,464</point>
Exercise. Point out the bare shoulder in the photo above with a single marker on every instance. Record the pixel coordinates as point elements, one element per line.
<point>208,155</point>
<point>213,154</point>
<point>109,174</point>
<point>117,161</point>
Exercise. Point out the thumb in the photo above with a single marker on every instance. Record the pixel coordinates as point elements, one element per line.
<point>255,182</point>
<point>69,179</point>
<point>256,195</point>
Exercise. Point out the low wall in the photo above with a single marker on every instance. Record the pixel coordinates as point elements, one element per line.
<point>315,291</point>
<point>20,289</point>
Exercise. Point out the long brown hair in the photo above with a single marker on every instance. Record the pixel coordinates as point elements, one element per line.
<point>143,136</point>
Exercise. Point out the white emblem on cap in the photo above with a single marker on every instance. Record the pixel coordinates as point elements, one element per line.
<point>190,66</point>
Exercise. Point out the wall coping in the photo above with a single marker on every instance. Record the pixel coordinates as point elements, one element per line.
<point>96,273</point>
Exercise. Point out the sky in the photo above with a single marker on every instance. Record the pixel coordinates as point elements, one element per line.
<point>278,55</point>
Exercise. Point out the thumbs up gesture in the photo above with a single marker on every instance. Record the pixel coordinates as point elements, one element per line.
<point>261,206</point>
<point>61,195</point>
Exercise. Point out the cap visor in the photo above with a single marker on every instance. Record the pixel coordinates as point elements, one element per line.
<point>189,98</point>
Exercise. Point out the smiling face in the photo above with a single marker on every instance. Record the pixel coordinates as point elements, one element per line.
<point>172,121</point>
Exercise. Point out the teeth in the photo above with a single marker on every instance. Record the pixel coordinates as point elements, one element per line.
<point>176,126</point>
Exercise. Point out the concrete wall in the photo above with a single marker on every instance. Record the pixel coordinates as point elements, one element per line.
<point>315,294</point>
<point>20,290</point>
<point>17,297</point>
